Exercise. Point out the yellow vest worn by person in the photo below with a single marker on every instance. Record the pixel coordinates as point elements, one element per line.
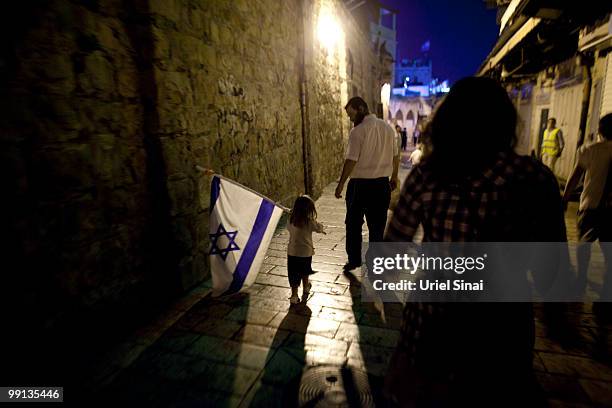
<point>550,143</point>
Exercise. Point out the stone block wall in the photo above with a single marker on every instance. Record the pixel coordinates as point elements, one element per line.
<point>107,108</point>
<point>228,99</point>
<point>77,214</point>
<point>334,74</point>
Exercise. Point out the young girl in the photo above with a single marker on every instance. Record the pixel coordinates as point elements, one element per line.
<point>302,222</point>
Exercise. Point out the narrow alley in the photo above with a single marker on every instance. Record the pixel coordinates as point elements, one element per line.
<point>149,148</point>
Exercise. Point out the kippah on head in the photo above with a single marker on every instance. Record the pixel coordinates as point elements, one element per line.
<point>357,102</point>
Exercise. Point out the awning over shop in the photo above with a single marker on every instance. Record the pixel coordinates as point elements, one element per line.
<point>540,33</point>
<point>506,45</point>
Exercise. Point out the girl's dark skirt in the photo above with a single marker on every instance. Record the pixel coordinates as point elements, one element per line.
<point>298,267</point>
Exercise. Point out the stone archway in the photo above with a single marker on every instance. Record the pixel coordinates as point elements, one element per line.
<point>410,122</point>
<point>399,118</point>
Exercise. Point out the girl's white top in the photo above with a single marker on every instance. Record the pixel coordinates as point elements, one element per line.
<point>300,239</point>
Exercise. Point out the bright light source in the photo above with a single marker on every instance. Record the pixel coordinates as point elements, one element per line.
<point>385,97</point>
<point>328,29</point>
<point>385,93</point>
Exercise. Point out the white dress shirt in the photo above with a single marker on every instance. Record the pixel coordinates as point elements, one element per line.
<point>372,145</point>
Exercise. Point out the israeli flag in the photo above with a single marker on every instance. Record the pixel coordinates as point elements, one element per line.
<point>242,223</point>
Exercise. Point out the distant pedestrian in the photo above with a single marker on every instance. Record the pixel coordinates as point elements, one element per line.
<point>372,156</point>
<point>404,139</point>
<point>398,136</point>
<point>595,209</point>
<point>552,144</point>
<point>302,223</point>
<point>416,135</point>
<point>471,186</point>
<point>417,154</point>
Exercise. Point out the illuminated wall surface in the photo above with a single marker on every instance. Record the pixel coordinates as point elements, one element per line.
<point>113,106</point>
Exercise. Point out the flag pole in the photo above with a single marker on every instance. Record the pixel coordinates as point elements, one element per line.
<point>212,173</point>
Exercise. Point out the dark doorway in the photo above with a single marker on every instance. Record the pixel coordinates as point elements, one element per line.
<point>543,123</point>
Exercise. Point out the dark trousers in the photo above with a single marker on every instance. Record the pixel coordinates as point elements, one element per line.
<point>595,224</point>
<point>369,198</point>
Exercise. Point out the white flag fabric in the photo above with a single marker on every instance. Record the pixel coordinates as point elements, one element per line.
<point>241,227</point>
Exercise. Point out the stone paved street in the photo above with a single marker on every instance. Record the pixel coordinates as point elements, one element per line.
<point>250,349</point>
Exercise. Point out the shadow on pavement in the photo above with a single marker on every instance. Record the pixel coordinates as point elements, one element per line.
<point>196,362</point>
<point>280,381</point>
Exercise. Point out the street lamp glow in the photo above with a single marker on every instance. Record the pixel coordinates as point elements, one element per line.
<point>385,97</point>
<point>385,93</point>
<point>328,29</point>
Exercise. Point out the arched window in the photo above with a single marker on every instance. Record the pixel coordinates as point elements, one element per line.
<point>410,120</point>
<point>399,118</point>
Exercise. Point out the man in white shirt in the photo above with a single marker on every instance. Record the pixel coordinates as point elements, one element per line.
<point>372,157</point>
<point>595,210</point>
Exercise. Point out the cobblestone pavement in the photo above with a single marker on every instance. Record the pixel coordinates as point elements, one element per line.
<point>249,350</point>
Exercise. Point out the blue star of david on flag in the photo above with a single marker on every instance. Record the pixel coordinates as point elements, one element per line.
<point>237,253</point>
<point>214,241</point>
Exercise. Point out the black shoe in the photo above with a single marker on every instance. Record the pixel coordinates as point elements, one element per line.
<point>350,266</point>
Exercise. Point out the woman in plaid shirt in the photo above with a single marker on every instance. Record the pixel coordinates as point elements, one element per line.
<point>472,187</point>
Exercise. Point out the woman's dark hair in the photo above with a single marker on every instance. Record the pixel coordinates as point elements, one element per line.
<point>303,211</point>
<point>474,122</point>
<point>605,126</point>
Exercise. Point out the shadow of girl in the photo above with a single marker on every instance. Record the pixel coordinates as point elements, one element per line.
<point>278,385</point>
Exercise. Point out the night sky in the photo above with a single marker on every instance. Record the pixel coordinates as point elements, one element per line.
<point>462,33</point>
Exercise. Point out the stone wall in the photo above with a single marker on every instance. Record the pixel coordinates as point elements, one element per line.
<point>109,106</point>
<point>229,76</point>
<point>228,99</point>
<point>334,73</point>
<point>79,213</point>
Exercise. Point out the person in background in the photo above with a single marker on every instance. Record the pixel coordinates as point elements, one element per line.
<point>417,154</point>
<point>398,136</point>
<point>416,135</point>
<point>552,144</point>
<point>404,139</point>
<point>595,209</point>
<point>302,223</point>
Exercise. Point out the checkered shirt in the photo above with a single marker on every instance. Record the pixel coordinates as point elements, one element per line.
<point>515,199</point>
<point>461,211</point>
